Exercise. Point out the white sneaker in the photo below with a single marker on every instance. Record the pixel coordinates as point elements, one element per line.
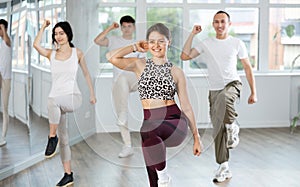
<point>126,152</point>
<point>165,183</point>
<point>232,135</point>
<point>2,141</point>
<point>222,174</point>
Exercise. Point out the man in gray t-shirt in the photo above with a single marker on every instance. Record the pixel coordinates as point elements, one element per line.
<point>124,82</point>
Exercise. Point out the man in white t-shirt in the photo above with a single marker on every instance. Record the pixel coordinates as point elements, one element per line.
<point>221,54</point>
<point>5,76</point>
<point>124,82</point>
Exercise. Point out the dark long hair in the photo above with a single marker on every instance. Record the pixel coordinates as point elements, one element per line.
<point>66,27</point>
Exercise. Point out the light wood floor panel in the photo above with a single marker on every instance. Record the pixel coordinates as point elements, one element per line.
<point>264,158</point>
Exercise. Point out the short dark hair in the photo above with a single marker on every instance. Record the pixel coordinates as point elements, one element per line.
<point>66,27</point>
<point>161,29</point>
<point>4,22</point>
<point>127,19</point>
<point>223,12</point>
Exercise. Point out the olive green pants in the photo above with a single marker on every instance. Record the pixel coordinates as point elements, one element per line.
<point>222,111</point>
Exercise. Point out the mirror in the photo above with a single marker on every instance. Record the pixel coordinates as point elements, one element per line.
<point>31,82</point>
<point>28,125</point>
<point>18,143</point>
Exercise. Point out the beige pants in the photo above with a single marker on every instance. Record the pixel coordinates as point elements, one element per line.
<point>57,109</point>
<point>5,85</point>
<point>222,111</point>
<point>125,84</point>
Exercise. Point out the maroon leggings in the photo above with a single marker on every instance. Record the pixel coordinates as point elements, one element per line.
<point>162,127</point>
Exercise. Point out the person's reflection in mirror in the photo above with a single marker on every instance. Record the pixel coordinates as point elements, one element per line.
<point>5,76</point>
<point>65,95</point>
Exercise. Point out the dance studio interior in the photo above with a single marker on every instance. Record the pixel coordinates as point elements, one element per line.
<point>269,132</point>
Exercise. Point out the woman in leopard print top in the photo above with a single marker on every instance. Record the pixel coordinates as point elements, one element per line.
<point>165,125</point>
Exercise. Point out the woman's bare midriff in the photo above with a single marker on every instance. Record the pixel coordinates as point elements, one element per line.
<point>156,103</point>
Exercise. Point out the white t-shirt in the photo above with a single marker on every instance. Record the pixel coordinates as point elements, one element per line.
<point>5,60</point>
<point>221,59</point>
<point>64,75</point>
<point>116,42</point>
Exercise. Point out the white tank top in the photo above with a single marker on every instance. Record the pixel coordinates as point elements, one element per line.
<point>5,60</point>
<point>64,75</point>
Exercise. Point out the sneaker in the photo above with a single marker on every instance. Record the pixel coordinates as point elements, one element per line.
<point>2,142</point>
<point>67,180</point>
<point>126,152</point>
<point>222,174</point>
<point>51,147</point>
<point>164,183</point>
<point>232,135</point>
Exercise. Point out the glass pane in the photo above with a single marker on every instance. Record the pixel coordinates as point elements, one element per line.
<point>48,2</point>
<point>204,1</point>
<point>41,3</point>
<point>46,39</point>
<point>18,40</point>
<point>171,17</point>
<point>244,26</point>
<point>117,1</point>
<point>204,18</point>
<point>106,17</point>
<point>3,8</point>
<point>15,38</point>
<point>57,1</point>
<point>241,1</point>
<point>284,40</point>
<point>21,46</point>
<point>30,4</point>
<point>16,5</point>
<point>32,28</point>
<point>164,1</point>
<point>57,16</point>
<point>285,1</point>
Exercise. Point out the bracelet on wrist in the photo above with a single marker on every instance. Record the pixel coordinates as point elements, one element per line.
<point>134,48</point>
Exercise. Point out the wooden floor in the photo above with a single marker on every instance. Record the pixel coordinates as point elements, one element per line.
<point>264,158</point>
<point>23,142</point>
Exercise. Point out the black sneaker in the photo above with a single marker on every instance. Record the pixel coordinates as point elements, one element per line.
<point>51,147</point>
<point>67,180</point>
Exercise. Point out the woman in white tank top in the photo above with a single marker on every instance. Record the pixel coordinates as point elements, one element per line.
<point>65,95</point>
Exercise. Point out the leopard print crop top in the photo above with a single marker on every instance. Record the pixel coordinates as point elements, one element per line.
<point>156,82</point>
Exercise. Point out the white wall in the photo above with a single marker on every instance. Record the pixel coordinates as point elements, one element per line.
<point>277,102</point>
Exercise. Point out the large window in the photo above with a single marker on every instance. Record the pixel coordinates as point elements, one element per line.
<point>107,16</point>
<point>25,18</point>
<point>54,15</point>
<point>18,26</point>
<point>270,29</point>
<point>244,26</point>
<point>284,39</point>
<point>169,17</point>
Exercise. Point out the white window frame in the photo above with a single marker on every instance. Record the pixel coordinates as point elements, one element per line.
<point>263,7</point>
